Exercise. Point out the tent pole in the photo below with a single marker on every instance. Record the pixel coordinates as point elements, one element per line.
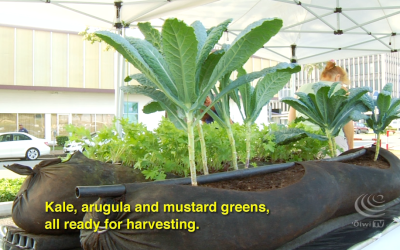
<point>119,95</point>
<point>306,21</point>
<point>376,38</point>
<point>372,21</point>
<point>119,92</point>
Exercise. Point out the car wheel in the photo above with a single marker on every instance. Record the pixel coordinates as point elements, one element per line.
<point>32,154</point>
<point>358,131</point>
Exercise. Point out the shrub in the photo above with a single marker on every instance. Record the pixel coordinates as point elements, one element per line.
<point>61,140</point>
<point>9,188</point>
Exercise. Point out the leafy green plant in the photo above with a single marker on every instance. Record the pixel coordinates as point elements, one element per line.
<point>330,109</point>
<point>61,140</point>
<point>218,146</point>
<point>257,146</point>
<point>173,73</point>
<point>9,188</point>
<point>164,150</point>
<point>301,148</point>
<point>384,111</point>
<point>290,135</point>
<point>254,99</point>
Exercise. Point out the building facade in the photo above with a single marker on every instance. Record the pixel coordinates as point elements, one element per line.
<point>373,71</point>
<point>49,79</point>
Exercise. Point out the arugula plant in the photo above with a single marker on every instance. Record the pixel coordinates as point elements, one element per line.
<point>164,150</point>
<point>330,109</point>
<point>174,67</point>
<point>300,149</point>
<point>254,99</point>
<point>384,111</point>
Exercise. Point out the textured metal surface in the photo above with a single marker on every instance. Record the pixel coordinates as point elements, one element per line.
<point>16,238</point>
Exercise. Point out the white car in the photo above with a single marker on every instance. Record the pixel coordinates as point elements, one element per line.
<point>22,145</point>
<point>74,146</point>
<point>395,124</point>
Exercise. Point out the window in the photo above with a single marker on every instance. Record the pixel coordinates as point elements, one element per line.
<point>84,120</point>
<point>103,120</point>
<point>7,137</point>
<point>8,123</point>
<point>131,111</point>
<point>34,123</point>
<point>18,137</point>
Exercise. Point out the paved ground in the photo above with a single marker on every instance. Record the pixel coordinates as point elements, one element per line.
<point>5,173</point>
<point>6,221</point>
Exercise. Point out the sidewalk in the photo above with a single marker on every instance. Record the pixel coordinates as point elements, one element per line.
<point>53,154</point>
<point>5,173</point>
<point>6,221</point>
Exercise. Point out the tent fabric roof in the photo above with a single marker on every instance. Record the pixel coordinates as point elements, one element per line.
<point>73,15</point>
<point>320,29</point>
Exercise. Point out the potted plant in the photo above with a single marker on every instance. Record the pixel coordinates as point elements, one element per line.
<point>175,74</point>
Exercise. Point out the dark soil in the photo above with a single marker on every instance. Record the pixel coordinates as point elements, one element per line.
<point>262,182</point>
<point>288,176</point>
<point>368,160</point>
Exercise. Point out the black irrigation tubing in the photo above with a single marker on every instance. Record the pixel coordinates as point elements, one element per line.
<point>118,190</point>
<point>100,191</point>
<point>347,156</point>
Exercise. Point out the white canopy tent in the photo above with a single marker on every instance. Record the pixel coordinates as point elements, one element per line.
<point>319,29</point>
<point>72,15</point>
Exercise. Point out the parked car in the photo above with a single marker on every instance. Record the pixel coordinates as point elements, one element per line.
<point>74,146</point>
<point>22,145</point>
<point>360,128</point>
<point>395,124</point>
